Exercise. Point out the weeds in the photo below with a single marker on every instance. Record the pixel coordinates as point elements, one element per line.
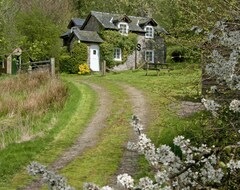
<point>25,98</point>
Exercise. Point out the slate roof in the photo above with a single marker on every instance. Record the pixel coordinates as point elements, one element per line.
<point>66,34</point>
<point>87,36</point>
<point>76,22</point>
<point>136,24</point>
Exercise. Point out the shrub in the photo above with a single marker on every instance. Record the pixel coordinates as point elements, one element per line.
<point>68,64</point>
<point>84,69</point>
<point>79,52</point>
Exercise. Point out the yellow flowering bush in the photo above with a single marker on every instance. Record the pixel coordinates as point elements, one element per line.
<point>84,69</point>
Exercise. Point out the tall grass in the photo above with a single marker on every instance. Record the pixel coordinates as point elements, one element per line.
<point>23,99</point>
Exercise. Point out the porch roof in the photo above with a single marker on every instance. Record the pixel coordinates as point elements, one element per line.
<point>88,36</point>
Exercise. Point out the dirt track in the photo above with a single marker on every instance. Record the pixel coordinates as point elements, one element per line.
<point>129,160</point>
<point>89,137</point>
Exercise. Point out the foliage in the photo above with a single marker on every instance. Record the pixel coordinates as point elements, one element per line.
<point>9,35</point>
<point>137,8</point>
<point>113,39</point>
<point>40,34</point>
<point>84,69</point>
<point>79,52</point>
<point>69,62</point>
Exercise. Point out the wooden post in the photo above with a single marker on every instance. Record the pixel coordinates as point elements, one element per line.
<point>52,65</point>
<point>104,68</point>
<point>135,59</point>
<point>146,68</point>
<point>20,63</point>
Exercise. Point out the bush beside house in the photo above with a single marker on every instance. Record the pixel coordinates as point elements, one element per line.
<point>70,62</point>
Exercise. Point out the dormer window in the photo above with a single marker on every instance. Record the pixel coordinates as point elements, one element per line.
<point>123,28</point>
<point>149,32</point>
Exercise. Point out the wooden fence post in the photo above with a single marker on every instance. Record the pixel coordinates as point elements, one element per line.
<point>52,64</point>
<point>104,68</point>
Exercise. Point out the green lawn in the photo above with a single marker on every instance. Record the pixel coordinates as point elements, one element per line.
<point>99,163</point>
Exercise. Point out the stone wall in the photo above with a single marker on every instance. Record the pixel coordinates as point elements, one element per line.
<point>138,57</point>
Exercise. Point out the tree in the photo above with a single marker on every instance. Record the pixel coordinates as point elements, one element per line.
<point>135,8</point>
<point>9,36</point>
<point>40,34</point>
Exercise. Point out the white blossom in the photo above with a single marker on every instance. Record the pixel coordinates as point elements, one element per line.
<point>235,106</point>
<point>106,188</point>
<point>233,165</point>
<point>211,105</point>
<point>146,184</point>
<point>125,180</point>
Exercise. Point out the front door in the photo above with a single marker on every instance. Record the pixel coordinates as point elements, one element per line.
<point>94,58</point>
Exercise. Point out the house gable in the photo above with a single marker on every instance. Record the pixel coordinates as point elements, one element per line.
<point>77,22</point>
<point>92,24</point>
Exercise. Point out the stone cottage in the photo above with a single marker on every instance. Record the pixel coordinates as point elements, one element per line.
<point>150,43</point>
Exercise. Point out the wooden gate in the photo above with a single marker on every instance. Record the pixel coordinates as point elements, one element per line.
<point>48,65</point>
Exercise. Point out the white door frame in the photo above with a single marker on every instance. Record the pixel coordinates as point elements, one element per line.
<point>94,57</point>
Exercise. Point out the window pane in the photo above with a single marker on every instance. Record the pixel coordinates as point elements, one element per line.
<point>117,54</point>
<point>123,28</point>
<point>149,56</point>
<point>149,32</point>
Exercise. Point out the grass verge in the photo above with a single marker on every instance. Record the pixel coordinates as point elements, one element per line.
<point>68,124</point>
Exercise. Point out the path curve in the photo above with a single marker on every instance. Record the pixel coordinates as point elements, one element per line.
<point>86,140</point>
<point>128,162</point>
<point>140,108</point>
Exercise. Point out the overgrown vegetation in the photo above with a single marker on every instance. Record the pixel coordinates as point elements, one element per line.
<point>70,61</point>
<point>26,98</point>
<point>112,40</point>
<point>58,129</point>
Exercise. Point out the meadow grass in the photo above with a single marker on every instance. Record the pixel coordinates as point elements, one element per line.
<point>25,98</point>
<point>64,128</point>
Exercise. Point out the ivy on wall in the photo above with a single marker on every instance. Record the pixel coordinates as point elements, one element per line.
<point>112,40</point>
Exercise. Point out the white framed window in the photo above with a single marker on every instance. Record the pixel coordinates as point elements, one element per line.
<point>149,56</point>
<point>123,28</point>
<point>117,54</point>
<point>149,32</point>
